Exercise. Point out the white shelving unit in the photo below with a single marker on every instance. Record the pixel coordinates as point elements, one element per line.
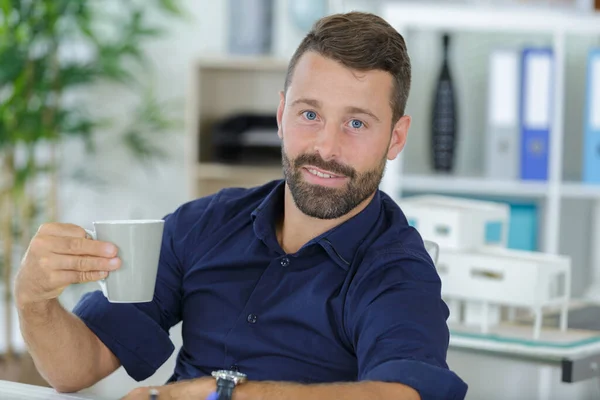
<point>492,187</point>
<point>486,18</point>
<point>472,186</point>
<point>415,17</point>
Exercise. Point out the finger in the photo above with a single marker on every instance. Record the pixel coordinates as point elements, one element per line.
<point>77,246</point>
<point>60,229</point>
<point>66,278</point>
<point>83,263</point>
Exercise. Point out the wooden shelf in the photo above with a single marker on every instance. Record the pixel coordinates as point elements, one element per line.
<point>232,172</point>
<point>468,17</point>
<point>221,86</point>
<point>209,178</point>
<point>244,63</point>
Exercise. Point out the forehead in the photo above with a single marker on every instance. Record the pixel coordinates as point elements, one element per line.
<point>324,79</point>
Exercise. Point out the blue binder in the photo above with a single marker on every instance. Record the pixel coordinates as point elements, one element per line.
<point>591,146</point>
<point>535,112</point>
<point>522,229</point>
<point>523,232</point>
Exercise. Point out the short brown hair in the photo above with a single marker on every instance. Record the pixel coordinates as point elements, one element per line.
<point>360,41</point>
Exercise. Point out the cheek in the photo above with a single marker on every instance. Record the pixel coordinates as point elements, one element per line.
<point>298,137</point>
<point>365,153</point>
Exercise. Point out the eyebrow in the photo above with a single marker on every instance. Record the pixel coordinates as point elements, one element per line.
<point>350,109</point>
<point>358,110</point>
<point>310,102</point>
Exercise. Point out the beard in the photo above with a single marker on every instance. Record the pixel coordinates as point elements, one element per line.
<point>327,202</point>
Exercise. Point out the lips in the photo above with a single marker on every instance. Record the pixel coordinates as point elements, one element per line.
<point>322,173</point>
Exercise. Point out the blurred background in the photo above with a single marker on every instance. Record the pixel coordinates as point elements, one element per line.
<point>125,110</point>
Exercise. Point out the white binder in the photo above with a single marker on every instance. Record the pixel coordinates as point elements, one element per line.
<point>502,127</point>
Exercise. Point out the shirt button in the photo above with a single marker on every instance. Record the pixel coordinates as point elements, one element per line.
<point>235,368</point>
<point>252,318</point>
<point>285,262</point>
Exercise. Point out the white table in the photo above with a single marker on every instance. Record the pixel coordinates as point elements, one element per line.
<point>20,391</point>
<point>498,371</point>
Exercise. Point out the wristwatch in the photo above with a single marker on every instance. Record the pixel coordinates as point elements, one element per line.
<point>226,382</point>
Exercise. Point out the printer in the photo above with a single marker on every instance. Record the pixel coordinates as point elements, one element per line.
<point>247,138</point>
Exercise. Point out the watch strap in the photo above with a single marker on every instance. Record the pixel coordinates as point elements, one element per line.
<point>225,389</point>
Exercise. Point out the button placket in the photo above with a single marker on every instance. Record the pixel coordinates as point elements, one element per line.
<point>248,317</point>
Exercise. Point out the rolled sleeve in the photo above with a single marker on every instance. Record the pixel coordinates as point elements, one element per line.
<point>138,333</point>
<point>139,343</point>
<point>429,380</point>
<point>397,323</point>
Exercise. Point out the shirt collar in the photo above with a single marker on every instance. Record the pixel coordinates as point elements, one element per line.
<point>340,242</point>
<point>266,215</point>
<point>346,238</point>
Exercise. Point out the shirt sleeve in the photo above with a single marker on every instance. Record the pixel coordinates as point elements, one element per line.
<point>396,321</point>
<point>138,333</point>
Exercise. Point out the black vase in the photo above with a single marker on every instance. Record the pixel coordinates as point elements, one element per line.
<point>443,118</point>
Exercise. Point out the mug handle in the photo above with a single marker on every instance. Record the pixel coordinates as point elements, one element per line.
<point>101,282</point>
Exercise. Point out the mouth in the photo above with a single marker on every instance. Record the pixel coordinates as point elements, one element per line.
<point>322,173</point>
<point>322,177</point>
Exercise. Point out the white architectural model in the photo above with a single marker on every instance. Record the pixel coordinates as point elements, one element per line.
<point>495,276</point>
<point>455,223</point>
<point>483,275</point>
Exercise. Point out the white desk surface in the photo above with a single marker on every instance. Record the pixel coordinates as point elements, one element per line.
<point>542,353</point>
<point>516,340</point>
<point>20,391</point>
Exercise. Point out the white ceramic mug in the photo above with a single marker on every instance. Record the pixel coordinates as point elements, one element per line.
<point>138,243</point>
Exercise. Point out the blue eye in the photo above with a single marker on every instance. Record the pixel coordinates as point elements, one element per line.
<point>356,124</point>
<point>310,115</point>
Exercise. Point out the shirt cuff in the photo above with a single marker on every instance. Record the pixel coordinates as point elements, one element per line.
<point>139,343</point>
<point>430,381</point>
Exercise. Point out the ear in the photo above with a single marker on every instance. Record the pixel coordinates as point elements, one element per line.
<point>280,109</point>
<point>399,134</point>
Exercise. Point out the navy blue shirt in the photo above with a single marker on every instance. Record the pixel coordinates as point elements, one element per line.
<point>359,302</point>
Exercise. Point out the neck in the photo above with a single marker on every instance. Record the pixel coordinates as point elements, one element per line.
<point>296,228</point>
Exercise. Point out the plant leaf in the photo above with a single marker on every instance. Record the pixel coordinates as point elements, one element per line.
<point>171,6</point>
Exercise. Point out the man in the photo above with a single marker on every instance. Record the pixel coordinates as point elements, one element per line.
<point>314,287</point>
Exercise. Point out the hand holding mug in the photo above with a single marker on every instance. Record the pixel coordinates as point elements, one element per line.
<point>123,257</point>
<point>58,256</point>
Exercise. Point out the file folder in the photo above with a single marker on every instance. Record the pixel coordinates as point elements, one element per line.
<point>502,136</point>
<point>536,111</point>
<point>591,143</point>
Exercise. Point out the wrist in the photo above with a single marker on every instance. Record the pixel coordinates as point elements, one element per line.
<point>227,382</point>
<point>194,389</point>
<point>36,309</point>
<point>246,391</point>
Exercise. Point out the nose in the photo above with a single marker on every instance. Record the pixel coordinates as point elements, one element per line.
<point>328,142</point>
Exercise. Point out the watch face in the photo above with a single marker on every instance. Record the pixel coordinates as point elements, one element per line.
<point>235,376</point>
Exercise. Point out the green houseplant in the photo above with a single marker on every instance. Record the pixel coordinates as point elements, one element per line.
<point>41,87</point>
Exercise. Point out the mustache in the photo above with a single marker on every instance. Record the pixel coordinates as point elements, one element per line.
<point>332,166</point>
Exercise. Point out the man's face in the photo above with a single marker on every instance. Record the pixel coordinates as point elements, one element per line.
<point>336,126</point>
